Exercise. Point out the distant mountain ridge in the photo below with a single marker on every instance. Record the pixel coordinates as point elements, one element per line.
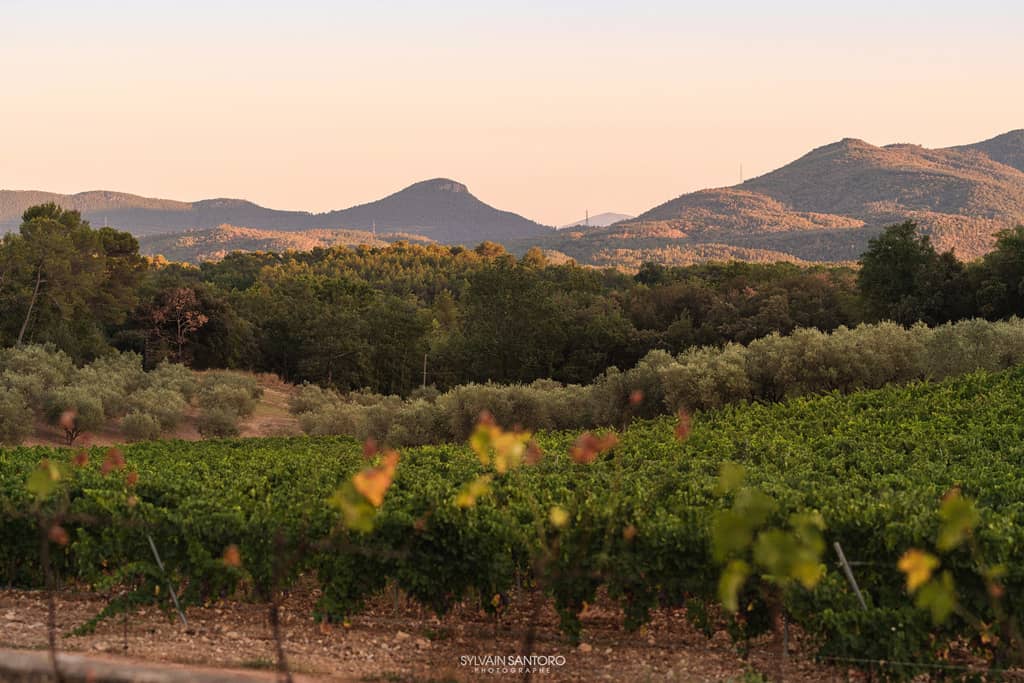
<point>827,204</point>
<point>824,206</point>
<point>601,220</point>
<point>439,209</point>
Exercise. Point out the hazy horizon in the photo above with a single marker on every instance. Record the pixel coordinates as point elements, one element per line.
<point>544,109</point>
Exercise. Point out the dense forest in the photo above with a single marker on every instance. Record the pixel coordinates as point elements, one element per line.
<point>393,319</point>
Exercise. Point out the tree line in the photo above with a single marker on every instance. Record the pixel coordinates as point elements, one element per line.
<point>398,318</point>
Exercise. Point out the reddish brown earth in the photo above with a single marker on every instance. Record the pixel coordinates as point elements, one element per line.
<point>397,641</point>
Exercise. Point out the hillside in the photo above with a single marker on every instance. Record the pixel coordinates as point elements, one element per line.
<point>828,203</point>
<point>1007,148</point>
<point>194,246</point>
<point>441,209</point>
<point>824,206</point>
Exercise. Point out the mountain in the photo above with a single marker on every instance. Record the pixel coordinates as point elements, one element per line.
<point>195,246</point>
<point>440,209</point>
<point>601,220</point>
<point>824,206</point>
<point>827,204</point>
<point>1007,148</point>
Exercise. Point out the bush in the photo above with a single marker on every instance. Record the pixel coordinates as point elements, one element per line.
<point>217,423</point>
<point>610,398</point>
<point>76,409</point>
<point>15,417</point>
<point>175,377</point>
<point>113,378</point>
<point>165,405</point>
<point>139,426</point>
<point>772,368</point>
<point>35,371</point>
<point>310,398</point>
<point>707,378</point>
<point>340,418</point>
<point>229,391</point>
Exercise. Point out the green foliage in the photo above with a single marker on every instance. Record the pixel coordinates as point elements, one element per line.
<point>229,391</point>
<point>903,278</point>
<point>141,426</point>
<point>165,405</point>
<point>784,556</point>
<point>76,409</point>
<point>15,417</point>
<point>773,368</point>
<point>1000,276</point>
<point>44,382</point>
<point>651,521</point>
<point>175,377</point>
<point>64,283</point>
<point>216,422</point>
<point>34,371</point>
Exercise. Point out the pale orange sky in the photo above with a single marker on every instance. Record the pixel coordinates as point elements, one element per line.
<point>545,109</point>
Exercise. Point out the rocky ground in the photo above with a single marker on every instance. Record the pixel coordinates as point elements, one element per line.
<point>397,641</point>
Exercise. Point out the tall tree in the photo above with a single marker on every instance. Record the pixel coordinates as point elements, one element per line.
<point>902,278</point>
<point>65,283</point>
<point>1001,276</point>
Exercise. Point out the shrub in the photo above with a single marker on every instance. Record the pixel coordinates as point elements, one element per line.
<point>216,423</point>
<point>610,397</point>
<point>707,378</point>
<point>76,409</point>
<point>139,426</point>
<point>165,405</point>
<point>34,371</point>
<point>230,391</point>
<point>111,379</point>
<point>310,398</point>
<point>340,418</point>
<point>772,368</point>
<point>417,423</point>
<point>15,417</point>
<point>175,377</point>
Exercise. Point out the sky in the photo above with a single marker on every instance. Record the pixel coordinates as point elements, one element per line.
<point>546,108</point>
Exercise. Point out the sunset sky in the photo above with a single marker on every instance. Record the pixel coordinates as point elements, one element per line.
<point>545,108</point>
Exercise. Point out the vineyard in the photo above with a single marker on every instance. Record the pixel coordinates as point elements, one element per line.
<point>640,516</point>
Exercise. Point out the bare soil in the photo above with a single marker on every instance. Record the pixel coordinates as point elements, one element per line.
<point>394,640</point>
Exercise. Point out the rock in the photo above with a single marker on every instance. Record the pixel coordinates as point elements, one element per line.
<point>650,640</point>
<point>585,647</point>
<point>607,650</point>
<point>233,634</point>
<point>11,616</point>
<point>402,635</point>
<point>422,643</point>
<point>101,646</point>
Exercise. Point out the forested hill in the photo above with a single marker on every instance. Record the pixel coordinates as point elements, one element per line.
<point>368,316</point>
<point>826,205</point>
<point>440,209</point>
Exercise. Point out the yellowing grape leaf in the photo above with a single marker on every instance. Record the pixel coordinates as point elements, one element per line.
<point>918,566</point>
<point>730,583</point>
<point>558,516</point>
<point>374,482</point>
<point>471,492</point>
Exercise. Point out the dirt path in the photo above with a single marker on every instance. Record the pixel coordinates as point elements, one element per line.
<point>403,643</point>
